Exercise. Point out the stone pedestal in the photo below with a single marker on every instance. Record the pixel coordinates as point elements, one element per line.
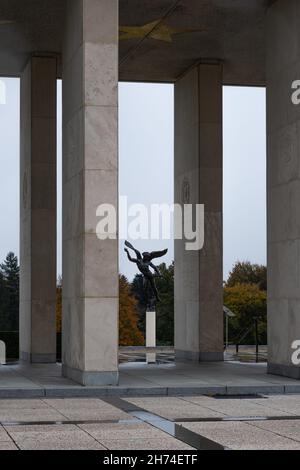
<point>151,336</point>
<point>2,353</point>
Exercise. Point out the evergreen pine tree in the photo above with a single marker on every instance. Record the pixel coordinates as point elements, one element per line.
<point>10,273</point>
<point>165,308</point>
<point>138,291</point>
<point>3,304</point>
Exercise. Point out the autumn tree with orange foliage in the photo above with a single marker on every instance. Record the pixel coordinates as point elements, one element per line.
<point>130,335</point>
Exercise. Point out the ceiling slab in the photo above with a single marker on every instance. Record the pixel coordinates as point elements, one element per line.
<point>232,31</point>
<point>159,39</point>
<point>28,26</point>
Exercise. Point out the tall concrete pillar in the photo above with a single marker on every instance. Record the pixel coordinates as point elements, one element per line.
<point>283,174</point>
<point>198,180</point>
<point>38,211</point>
<point>90,178</point>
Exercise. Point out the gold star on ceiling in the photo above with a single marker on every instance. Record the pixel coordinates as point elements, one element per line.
<point>155,30</point>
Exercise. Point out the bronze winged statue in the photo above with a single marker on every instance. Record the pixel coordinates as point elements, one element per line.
<point>144,263</point>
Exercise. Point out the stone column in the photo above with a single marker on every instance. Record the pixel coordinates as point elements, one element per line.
<point>283,186</point>
<point>198,180</point>
<point>90,178</point>
<point>38,211</point>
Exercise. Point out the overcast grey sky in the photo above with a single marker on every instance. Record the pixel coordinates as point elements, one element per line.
<point>9,169</point>
<point>146,161</point>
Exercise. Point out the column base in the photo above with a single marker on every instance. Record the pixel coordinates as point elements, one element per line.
<point>37,358</point>
<point>290,371</point>
<point>91,379</point>
<point>151,335</point>
<point>193,356</point>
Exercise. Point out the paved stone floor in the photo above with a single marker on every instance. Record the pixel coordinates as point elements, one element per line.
<point>36,381</point>
<point>151,423</point>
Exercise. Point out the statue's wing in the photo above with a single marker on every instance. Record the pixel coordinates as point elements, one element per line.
<point>158,254</point>
<point>138,254</point>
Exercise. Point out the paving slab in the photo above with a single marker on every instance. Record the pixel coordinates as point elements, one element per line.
<point>52,437</point>
<point>12,377</point>
<point>4,437</point>
<point>146,444</point>
<point>29,404</point>
<point>114,431</point>
<point>29,415</point>
<point>8,446</point>
<point>94,415</point>
<point>242,436</point>
<point>240,407</point>
<point>86,410</point>
<point>153,401</point>
<point>174,408</point>
<point>284,428</point>
<point>284,403</point>
<point>71,403</point>
<point>60,444</point>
